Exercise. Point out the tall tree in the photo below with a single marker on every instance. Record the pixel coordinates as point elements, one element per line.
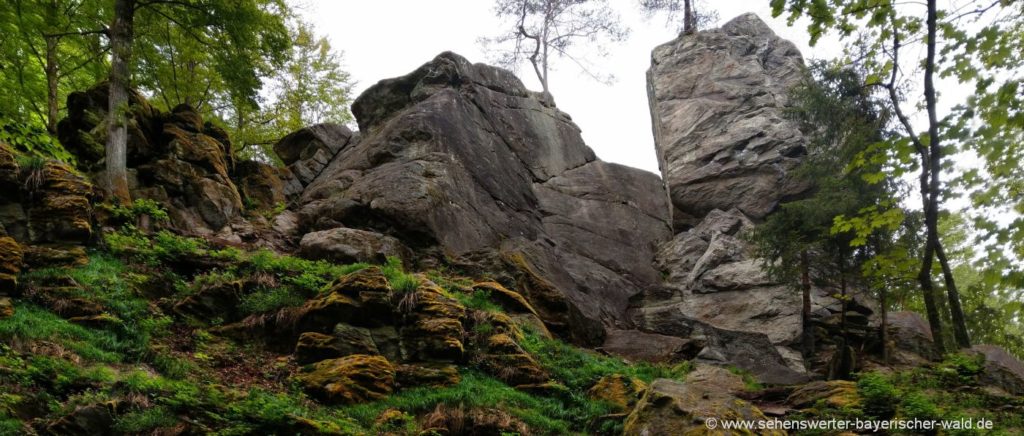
<point>544,29</point>
<point>311,88</point>
<point>52,47</point>
<point>800,243</point>
<point>695,14</point>
<point>122,32</point>
<point>881,31</point>
<point>240,55</point>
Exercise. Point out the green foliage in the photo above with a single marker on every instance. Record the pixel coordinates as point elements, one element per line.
<point>139,207</point>
<point>145,420</point>
<point>30,322</point>
<point>400,281</point>
<point>879,395</point>
<point>474,390</point>
<point>478,299</point>
<point>960,369</point>
<point>579,369</point>
<point>32,140</point>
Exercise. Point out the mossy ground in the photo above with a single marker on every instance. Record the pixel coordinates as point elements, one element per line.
<point>169,372</point>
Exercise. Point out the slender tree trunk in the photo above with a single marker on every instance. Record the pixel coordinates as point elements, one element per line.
<point>963,338</point>
<point>51,72</point>
<point>121,36</point>
<point>51,84</point>
<point>689,19</point>
<point>935,166</point>
<point>885,324</point>
<point>805,287</point>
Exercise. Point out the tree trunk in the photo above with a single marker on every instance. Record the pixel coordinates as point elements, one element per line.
<point>935,165</point>
<point>963,338</point>
<point>805,287</point>
<point>51,84</point>
<point>121,36</point>
<point>885,325</point>
<point>51,72</point>
<point>689,19</point>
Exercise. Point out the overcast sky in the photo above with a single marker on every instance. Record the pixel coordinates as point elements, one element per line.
<point>388,38</point>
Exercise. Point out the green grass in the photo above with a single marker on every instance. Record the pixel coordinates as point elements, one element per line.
<point>399,280</point>
<point>545,415</point>
<point>579,369</point>
<point>33,323</point>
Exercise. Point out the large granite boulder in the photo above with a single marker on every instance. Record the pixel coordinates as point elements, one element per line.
<point>697,406</point>
<point>717,101</point>
<point>461,163</point>
<point>1001,369</point>
<point>727,155</point>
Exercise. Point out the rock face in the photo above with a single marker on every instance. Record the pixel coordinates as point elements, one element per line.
<point>45,215</point>
<point>705,400</point>
<point>726,153</point>
<point>461,161</point>
<point>717,100</point>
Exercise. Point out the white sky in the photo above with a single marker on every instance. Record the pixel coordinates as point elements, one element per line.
<point>387,38</point>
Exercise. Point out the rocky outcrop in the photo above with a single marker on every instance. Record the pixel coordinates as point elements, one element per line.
<point>45,215</point>
<point>344,245</point>
<point>461,162</point>
<point>1001,369</point>
<point>717,99</point>
<point>727,154</point>
<point>307,151</point>
<point>696,406</point>
<point>177,159</point>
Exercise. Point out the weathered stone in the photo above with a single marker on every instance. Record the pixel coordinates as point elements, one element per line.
<point>503,358</point>
<point>54,255</point>
<point>1001,369</point>
<point>10,264</point>
<point>308,150</point>
<point>909,332</point>
<point>461,159</point>
<point>835,393</point>
<point>263,186</point>
<point>674,407</point>
<point>717,104</point>
<point>60,211</point>
<point>6,308</point>
<point>651,347</point>
<point>426,374</point>
<point>218,301</point>
<point>344,245</point>
<point>9,171</point>
<point>345,340</point>
<point>618,390</point>
<point>509,300</point>
<point>173,158</point>
<point>87,420</point>
<point>352,379</point>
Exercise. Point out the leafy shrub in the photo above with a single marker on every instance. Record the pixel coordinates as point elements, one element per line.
<point>33,140</point>
<point>127,214</point>
<point>879,394</point>
<point>960,369</point>
<point>917,405</point>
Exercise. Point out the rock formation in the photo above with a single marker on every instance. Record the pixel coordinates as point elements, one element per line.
<point>460,162</point>
<point>177,159</point>
<point>726,152</point>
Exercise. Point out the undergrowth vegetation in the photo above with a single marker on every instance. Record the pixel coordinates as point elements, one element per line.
<point>948,390</point>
